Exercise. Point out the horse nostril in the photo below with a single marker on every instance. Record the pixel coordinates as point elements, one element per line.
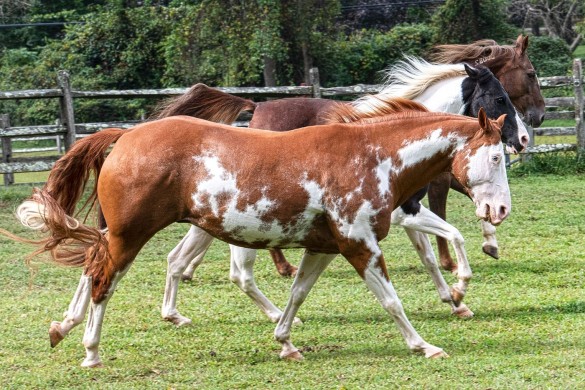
<point>503,212</point>
<point>542,118</point>
<point>524,140</point>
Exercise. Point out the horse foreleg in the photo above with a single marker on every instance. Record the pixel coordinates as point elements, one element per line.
<point>192,246</point>
<point>242,274</point>
<point>490,245</point>
<point>197,256</point>
<point>437,195</point>
<point>373,270</point>
<point>427,222</point>
<point>283,267</point>
<point>311,267</point>
<point>75,314</point>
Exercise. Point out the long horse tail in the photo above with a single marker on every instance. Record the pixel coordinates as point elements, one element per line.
<point>52,208</point>
<point>203,102</point>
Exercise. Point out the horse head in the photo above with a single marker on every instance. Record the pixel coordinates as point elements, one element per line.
<point>482,89</point>
<point>481,169</point>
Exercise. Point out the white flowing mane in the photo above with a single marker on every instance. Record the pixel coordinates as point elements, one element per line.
<point>408,79</point>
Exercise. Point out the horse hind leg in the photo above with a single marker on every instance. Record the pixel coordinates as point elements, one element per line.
<point>242,274</point>
<point>283,267</point>
<point>192,246</point>
<point>105,277</point>
<point>198,252</point>
<point>75,314</point>
<point>437,196</point>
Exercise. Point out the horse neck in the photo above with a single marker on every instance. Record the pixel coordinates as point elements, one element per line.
<point>497,64</point>
<point>424,154</point>
<point>444,96</point>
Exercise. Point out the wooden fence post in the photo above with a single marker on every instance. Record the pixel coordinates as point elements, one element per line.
<point>6,149</point>
<point>315,83</point>
<point>579,103</point>
<point>67,112</point>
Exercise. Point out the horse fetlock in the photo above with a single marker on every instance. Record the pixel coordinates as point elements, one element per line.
<point>92,358</point>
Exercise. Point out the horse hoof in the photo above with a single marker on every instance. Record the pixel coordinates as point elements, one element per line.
<point>491,250</point>
<point>186,278</point>
<point>462,311</point>
<point>297,321</point>
<point>438,355</point>
<point>178,320</point>
<point>55,335</point>
<point>289,271</point>
<point>295,356</point>
<point>92,364</point>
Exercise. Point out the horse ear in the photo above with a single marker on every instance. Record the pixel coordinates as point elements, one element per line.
<point>471,71</point>
<point>521,44</point>
<point>500,120</point>
<point>484,122</point>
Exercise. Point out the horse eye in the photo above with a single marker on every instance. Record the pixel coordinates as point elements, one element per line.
<point>496,158</point>
<point>531,74</point>
<point>500,100</point>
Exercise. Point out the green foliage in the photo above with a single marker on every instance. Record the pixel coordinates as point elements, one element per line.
<point>550,56</point>
<point>364,54</point>
<point>465,21</point>
<point>553,163</point>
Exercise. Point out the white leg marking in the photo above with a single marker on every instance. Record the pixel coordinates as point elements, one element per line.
<point>386,295</point>
<point>311,267</point>
<point>428,222</point>
<point>93,329</point>
<point>198,253</point>
<point>194,244</point>
<point>242,274</point>
<point>490,245</point>
<point>75,314</point>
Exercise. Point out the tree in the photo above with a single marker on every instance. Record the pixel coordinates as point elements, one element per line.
<point>465,21</point>
<point>558,17</point>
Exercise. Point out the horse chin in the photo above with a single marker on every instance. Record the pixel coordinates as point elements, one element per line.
<point>511,149</point>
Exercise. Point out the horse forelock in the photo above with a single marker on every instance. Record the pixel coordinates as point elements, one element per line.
<point>384,106</point>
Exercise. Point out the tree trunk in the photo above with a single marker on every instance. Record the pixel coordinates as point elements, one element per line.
<point>307,63</point>
<point>269,72</point>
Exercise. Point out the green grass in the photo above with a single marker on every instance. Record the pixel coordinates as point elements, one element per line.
<point>528,331</point>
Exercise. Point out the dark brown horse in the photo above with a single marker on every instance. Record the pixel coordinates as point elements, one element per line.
<point>223,180</point>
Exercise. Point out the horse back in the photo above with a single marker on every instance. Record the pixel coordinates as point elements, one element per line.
<point>290,113</point>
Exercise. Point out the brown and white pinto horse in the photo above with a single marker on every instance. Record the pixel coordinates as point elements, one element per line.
<point>333,191</point>
<point>510,64</point>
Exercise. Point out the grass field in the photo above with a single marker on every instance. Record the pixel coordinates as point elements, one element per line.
<point>528,331</point>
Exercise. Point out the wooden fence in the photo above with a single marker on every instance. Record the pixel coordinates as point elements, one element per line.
<point>68,130</point>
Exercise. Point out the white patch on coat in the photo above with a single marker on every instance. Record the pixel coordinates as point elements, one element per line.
<point>219,181</point>
<point>251,224</point>
<point>383,171</point>
<point>412,153</point>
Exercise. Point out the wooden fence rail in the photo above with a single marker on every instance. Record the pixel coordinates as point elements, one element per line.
<point>68,130</point>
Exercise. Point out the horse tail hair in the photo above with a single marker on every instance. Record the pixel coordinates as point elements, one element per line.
<point>203,102</point>
<point>52,209</point>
